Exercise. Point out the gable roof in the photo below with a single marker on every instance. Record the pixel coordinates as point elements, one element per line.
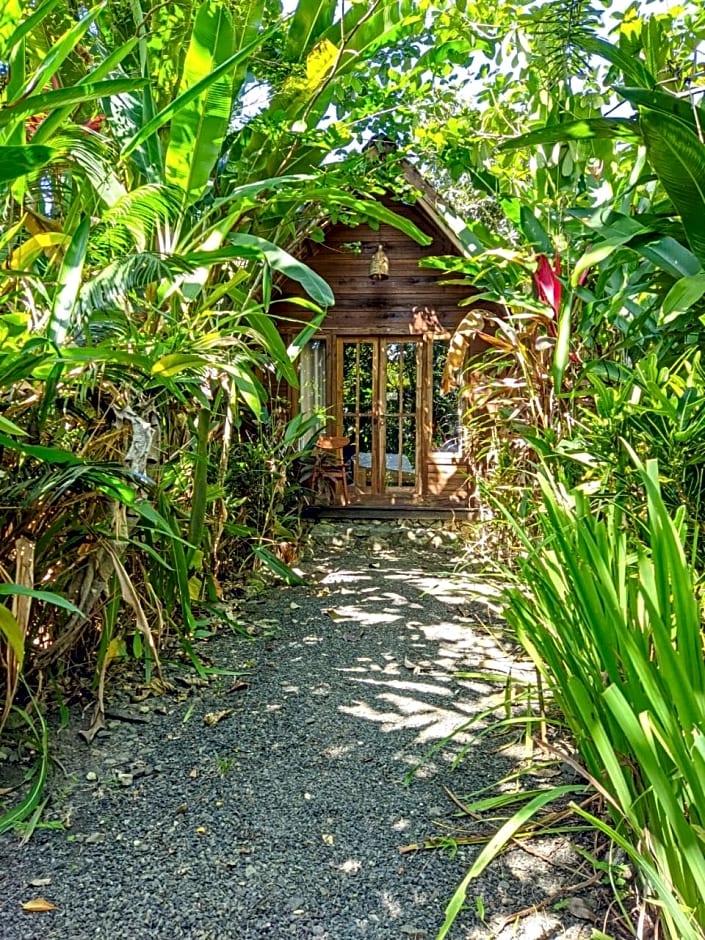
<point>435,207</point>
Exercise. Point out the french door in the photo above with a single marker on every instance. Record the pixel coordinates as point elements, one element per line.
<point>379,399</point>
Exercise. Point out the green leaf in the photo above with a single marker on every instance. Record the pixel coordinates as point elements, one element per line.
<point>56,119</point>
<point>50,455</point>
<point>9,427</point>
<point>10,629</point>
<point>59,50</point>
<point>249,389</point>
<point>586,129</point>
<point>364,34</point>
<point>18,161</point>
<point>309,21</point>
<point>67,96</point>
<point>69,283</point>
<point>160,523</point>
<point>39,774</point>
<point>250,246</point>
<point>661,250</point>
<point>495,846</point>
<point>561,353</point>
<point>174,363</point>
<point>533,231</point>
<point>633,69</point>
<point>199,126</point>
<point>191,94</point>
<point>678,157</point>
<point>273,343</point>
<point>367,209</point>
<point>26,27</point>
<point>681,297</point>
<point>662,101</point>
<point>274,564</point>
<point>50,597</point>
<point>665,252</point>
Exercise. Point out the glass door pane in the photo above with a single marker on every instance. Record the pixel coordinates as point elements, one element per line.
<point>358,364</point>
<point>400,413</point>
<point>380,396</point>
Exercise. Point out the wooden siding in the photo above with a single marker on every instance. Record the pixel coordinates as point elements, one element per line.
<point>410,301</point>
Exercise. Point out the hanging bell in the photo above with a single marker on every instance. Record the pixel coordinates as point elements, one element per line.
<point>379,266</point>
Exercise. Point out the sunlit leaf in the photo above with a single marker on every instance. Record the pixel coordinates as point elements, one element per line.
<point>12,632</point>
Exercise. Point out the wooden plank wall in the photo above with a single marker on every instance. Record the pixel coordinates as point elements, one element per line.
<point>410,301</point>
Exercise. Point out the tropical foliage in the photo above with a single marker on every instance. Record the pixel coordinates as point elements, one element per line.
<point>584,230</point>
<point>160,166</point>
<point>147,215</point>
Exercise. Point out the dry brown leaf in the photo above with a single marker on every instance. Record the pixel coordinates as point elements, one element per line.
<point>413,667</point>
<point>130,596</point>
<point>580,908</point>
<point>212,718</point>
<point>38,906</point>
<point>464,334</point>
<point>238,686</point>
<point>40,882</point>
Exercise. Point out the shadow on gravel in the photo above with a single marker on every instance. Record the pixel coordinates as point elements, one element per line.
<point>285,817</point>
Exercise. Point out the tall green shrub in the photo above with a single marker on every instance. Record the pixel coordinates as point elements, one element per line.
<point>614,626</point>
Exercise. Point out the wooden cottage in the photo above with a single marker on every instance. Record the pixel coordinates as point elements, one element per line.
<point>374,370</point>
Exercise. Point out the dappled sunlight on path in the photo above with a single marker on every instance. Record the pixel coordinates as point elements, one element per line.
<point>299,812</point>
<point>413,692</point>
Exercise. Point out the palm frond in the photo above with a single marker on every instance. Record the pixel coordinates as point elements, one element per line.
<point>112,286</point>
<point>90,154</point>
<point>131,222</point>
<point>557,28</point>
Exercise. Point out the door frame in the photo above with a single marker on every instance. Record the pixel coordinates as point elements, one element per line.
<point>441,477</point>
<point>379,488</point>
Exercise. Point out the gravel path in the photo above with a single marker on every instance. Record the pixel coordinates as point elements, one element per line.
<point>275,805</point>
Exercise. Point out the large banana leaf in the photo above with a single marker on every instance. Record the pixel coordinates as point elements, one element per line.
<point>250,246</point>
<point>693,116</point>
<point>307,24</point>
<point>246,26</point>
<point>195,91</point>
<point>633,69</point>
<point>365,29</point>
<point>586,129</point>
<point>198,128</point>
<point>678,157</point>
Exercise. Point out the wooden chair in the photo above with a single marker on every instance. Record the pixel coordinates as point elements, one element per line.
<point>330,464</point>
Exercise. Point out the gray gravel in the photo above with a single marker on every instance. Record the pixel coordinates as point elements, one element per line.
<point>285,818</point>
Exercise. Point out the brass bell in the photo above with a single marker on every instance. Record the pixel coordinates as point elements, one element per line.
<point>379,266</point>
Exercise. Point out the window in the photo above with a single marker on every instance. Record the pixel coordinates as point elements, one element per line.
<point>313,392</point>
<point>447,409</point>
